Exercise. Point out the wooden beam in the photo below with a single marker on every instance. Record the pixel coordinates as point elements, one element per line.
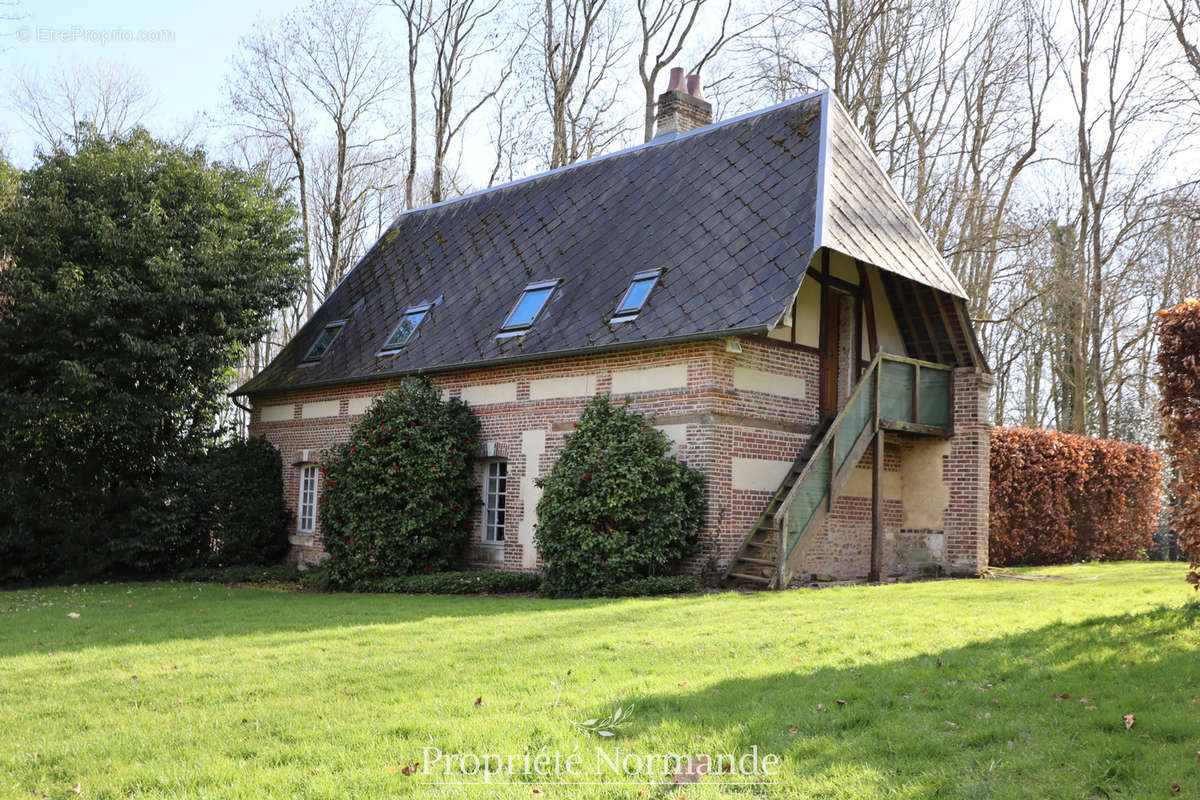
<point>903,314</point>
<point>957,344</point>
<point>868,298</point>
<point>960,308</point>
<point>876,508</point>
<point>937,348</point>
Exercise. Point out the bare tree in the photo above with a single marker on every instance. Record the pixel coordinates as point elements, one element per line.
<point>264,92</point>
<point>108,98</point>
<point>578,44</point>
<point>1108,70</point>
<point>666,27</point>
<point>463,35</point>
<point>1182,16</point>
<point>344,67</point>
<point>418,22</point>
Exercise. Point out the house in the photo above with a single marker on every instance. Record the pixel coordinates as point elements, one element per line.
<point>757,284</point>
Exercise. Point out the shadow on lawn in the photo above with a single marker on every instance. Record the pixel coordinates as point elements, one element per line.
<point>154,613</point>
<point>990,721</point>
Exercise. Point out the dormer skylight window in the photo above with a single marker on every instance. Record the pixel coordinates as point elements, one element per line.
<point>529,307</point>
<point>324,341</point>
<point>636,295</point>
<point>413,317</point>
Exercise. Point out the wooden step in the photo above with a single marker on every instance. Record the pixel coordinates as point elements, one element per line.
<point>748,560</point>
<point>741,576</point>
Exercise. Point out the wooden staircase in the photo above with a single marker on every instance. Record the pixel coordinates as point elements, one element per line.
<point>757,563</point>
<point>894,393</point>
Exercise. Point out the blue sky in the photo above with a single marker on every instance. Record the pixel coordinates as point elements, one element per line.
<point>185,68</point>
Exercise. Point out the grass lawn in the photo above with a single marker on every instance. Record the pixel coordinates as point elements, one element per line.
<point>170,690</point>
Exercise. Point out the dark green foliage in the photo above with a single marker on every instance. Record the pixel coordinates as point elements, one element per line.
<point>138,273</point>
<point>616,505</point>
<point>658,585</point>
<point>477,582</point>
<point>247,516</point>
<point>275,573</point>
<point>396,498</point>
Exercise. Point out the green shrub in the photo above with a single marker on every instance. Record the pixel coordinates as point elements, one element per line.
<point>616,506</point>
<point>476,582</point>
<point>396,498</point>
<point>658,585</point>
<point>135,274</point>
<point>275,573</point>
<point>247,516</point>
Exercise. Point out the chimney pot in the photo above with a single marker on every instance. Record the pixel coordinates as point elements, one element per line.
<point>680,107</point>
<point>676,83</point>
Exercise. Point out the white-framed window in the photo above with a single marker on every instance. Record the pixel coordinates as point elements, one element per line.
<point>324,342</point>
<point>636,295</point>
<point>529,306</point>
<point>495,493</point>
<point>413,317</point>
<point>308,499</point>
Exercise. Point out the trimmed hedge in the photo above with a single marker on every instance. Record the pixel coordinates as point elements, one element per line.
<point>1179,385</point>
<point>473,582</point>
<point>276,573</point>
<point>658,585</point>
<point>1058,498</point>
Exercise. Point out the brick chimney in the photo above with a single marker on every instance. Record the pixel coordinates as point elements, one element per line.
<point>682,106</point>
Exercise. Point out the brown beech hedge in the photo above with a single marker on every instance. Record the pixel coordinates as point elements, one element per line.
<point>1058,498</point>
<point>1179,386</point>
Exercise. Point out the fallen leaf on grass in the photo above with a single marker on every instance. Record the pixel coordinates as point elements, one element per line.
<point>76,789</point>
<point>1063,696</point>
<point>409,770</point>
<point>74,615</point>
<point>1129,720</point>
<point>840,702</point>
<point>692,771</point>
<point>794,730</point>
<point>478,702</point>
<point>939,663</point>
<point>1176,788</point>
<point>200,610</point>
<point>1085,699</point>
<point>951,724</point>
<point>170,666</point>
<point>995,701</point>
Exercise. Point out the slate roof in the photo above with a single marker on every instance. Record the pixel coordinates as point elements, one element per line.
<point>733,212</point>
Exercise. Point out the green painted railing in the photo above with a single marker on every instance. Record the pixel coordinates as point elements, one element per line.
<point>894,393</point>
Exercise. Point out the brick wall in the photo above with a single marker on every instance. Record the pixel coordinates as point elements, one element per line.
<point>740,411</point>
<point>967,474</point>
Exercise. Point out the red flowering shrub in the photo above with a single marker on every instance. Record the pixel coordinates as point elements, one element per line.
<point>396,498</point>
<point>1057,498</point>
<point>1179,386</point>
<point>617,506</point>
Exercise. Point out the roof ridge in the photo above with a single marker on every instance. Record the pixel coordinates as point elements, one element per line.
<point>656,142</point>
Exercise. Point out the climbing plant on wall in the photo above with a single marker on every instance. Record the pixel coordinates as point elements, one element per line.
<point>616,505</point>
<point>397,498</point>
